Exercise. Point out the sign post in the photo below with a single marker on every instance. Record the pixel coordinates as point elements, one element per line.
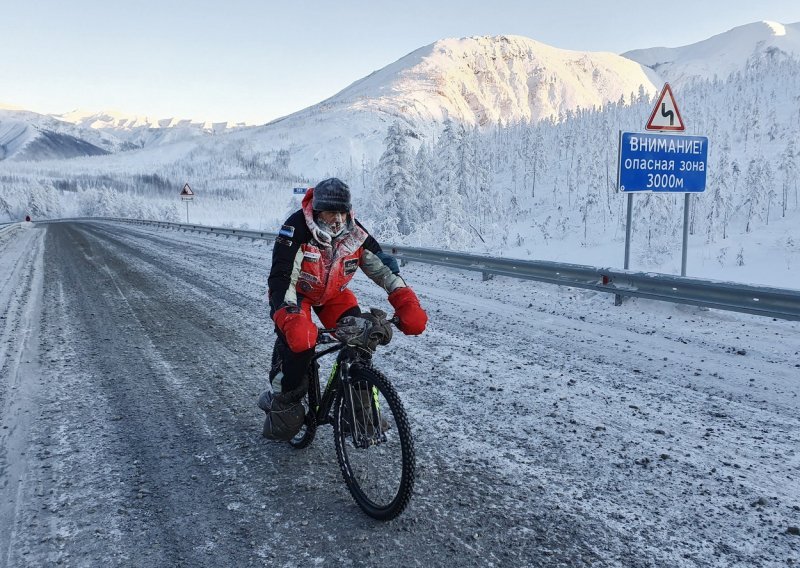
<point>662,163</point>
<point>685,249</point>
<point>187,195</point>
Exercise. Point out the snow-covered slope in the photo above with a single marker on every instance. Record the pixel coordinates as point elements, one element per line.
<point>28,136</point>
<point>31,136</point>
<point>478,81</point>
<point>722,54</point>
<point>484,80</point>
<point>14,135</point>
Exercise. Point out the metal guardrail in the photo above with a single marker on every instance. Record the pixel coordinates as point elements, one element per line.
<point>759,300</point>
<point>731,296</point>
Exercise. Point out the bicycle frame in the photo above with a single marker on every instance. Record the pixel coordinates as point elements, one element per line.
<point>321,402</point>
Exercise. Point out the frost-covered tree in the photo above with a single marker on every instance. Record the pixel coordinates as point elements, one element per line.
<point>719,208</point>
<point>789,168</point>
<point>450,211</point>
<point>768,182</point>
<point>425,178</point>
<point>43,202</point>
<point>658,214</point>
<point>448,158</point>
<point>398,186</point>
<point>755,192</point>
<point>5,203</point>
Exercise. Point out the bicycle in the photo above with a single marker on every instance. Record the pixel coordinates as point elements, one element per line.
<point>374,444</point>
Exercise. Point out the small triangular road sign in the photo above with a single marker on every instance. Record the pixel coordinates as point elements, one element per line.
<point>665,115</point>
<point>186,190</point>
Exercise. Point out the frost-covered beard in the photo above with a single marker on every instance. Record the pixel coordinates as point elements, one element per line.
<point>323,232</point>
<point>334,229</point>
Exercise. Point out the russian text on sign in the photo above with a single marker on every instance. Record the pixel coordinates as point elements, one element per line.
<point>672,146</point>
<point>662,162</point>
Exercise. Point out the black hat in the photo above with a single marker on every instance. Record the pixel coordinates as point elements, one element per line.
<point>331,194</point>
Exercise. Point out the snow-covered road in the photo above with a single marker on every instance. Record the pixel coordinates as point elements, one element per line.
<point>552,428</point>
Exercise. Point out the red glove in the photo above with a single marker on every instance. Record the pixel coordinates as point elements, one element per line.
<point>406,306</point>
<point>297,327</point>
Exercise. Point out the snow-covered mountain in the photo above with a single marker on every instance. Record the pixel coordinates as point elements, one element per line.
<point>722,54</point>
<point>31,136</point>
<point>486,80</point>
<point>115,120</point>
<point>476,81</point>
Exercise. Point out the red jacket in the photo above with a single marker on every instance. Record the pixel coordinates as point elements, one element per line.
<point>308,266</point>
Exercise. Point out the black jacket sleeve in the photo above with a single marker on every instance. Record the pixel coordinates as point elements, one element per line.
<point>291,236</point>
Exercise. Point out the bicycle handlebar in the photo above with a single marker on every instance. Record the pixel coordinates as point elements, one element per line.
<point>325,332</point>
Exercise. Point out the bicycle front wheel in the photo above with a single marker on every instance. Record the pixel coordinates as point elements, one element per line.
<point>374,445</point>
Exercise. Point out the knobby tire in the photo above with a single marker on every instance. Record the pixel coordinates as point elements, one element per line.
<point>344,448</point>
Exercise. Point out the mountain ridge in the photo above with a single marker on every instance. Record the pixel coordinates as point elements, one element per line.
<point>478,81</point>
<point>721,54</point>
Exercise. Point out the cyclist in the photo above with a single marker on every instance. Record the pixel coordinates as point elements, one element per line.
<point>317,252</point>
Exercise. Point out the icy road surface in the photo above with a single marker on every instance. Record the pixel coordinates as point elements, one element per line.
<point>552,428</point>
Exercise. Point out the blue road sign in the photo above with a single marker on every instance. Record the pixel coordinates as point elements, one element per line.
<point>300,190</point>
<point>662,162</point>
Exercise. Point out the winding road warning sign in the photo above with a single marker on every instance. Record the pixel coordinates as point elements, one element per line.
<point>665,115</point>
<point>187,194</point>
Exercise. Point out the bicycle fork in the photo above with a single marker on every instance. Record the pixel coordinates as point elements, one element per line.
<point>368,430</point>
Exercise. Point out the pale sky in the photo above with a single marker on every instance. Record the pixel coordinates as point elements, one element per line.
<point>253,61</point>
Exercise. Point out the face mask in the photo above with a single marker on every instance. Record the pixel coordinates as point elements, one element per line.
<point>335,227</point>
<point>333,230</point>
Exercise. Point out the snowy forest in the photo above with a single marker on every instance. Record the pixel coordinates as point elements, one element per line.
<point>512,189</point>
<point>519,186</point>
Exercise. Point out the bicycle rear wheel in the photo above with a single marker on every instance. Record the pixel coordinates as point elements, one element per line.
<point>374,444</point>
